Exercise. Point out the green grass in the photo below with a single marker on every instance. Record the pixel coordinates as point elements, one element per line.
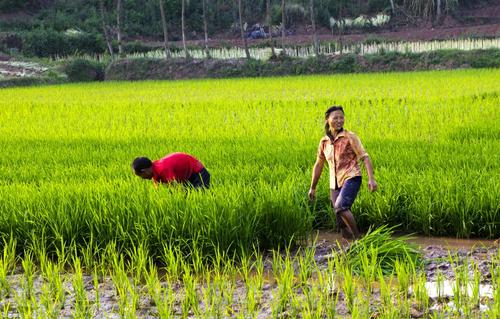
<point>65,172</point>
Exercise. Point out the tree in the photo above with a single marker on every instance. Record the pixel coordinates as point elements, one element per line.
<point>243,37</point>
<point>269,23</point>
<point>105,29</point>
<point>392,7</point>
<point>183,27</point>
<point>164,27</point>
<point>283,25</point>
<point>313,22</point>
<point>341,25</point>
<point>205,28</point>
<point>118,26</point>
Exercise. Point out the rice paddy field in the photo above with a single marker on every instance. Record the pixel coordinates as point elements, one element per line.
<point>74,219</point>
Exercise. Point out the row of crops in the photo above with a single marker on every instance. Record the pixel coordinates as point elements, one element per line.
<point>325,48</point>
<point>66,151</point>
<point>375,277</point>
<point>335,49</point>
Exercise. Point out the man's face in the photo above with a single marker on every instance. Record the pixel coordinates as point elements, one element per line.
<point>146,173</point>
<point>336,120</point>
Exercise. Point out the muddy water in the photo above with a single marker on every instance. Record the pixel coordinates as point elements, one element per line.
<point>452,244</point>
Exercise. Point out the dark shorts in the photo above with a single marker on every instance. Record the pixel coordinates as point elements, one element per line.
<point>343,197</point>
<point>200,180</point>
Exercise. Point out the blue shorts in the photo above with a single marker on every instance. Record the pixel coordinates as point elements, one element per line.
<point>343,197</point>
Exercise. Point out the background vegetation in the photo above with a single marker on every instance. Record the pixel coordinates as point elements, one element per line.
<point>41,25</point>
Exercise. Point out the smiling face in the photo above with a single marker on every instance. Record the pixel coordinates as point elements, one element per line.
<point>336,120</point>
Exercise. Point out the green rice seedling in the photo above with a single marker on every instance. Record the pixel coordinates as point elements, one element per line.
<point>439,286</point>
<point>494,308</point>
<point>218,286</point>
<point>252,297</point>
<point>53,293</point>
<point>5,310</point>
<point>172,258</point>
<point>245,266</point>
<point>369,266</point>
<point>29,272</point>
<point>403,273</point>
<point>49,308</point>
<point>258,269</point>
<point>460,287</point>
<point>298,308</point>
<point>63,256</point>
<point>228,288</point>
<point>7,265</point>
<point>307,265</point>
<point>82,305</point>
<point>329,287</point>
<point>196,258</point>
<point>475,297</point>
<point>387,305</point>
<point>88,253</point>
<point>420,291</point>
<point>331,306</point>
<point>162,296</point>
<point>95,282</point>
<point>361,308</point>
<point>138,258</point>
<point>190,301</point>
<point>26,307</point>
<point>348,285</point>
<point>283,271</point>
<point>127,296</point>
<point>207,295</point>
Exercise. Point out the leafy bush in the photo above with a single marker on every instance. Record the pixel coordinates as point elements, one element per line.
<point>81,70</point>
<point>50,43</point>
<point>346,64</point>
<point>138,47</point>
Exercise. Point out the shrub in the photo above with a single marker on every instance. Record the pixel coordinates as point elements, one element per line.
<point>345,64</point>
<point>81,70</point>
<point>50,43</point>
<point>44,43</point>
<point>137,47</point>
<point>86,43</point>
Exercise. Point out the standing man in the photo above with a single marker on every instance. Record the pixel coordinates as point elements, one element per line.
<point>179,167</point>
<point>342,150</point>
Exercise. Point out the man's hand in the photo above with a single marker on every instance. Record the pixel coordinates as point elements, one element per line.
<point>312,194</point>
<point>372,185</point>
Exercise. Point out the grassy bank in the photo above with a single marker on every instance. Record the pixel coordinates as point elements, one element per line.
<point>179,68</point>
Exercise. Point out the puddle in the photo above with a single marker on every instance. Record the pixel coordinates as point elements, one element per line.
<point>450,243</point>
<point>447,289</point>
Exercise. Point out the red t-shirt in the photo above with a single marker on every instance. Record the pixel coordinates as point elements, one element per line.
<point>175,166</point>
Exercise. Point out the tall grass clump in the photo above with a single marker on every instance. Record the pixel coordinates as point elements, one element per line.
<point>378,249</point>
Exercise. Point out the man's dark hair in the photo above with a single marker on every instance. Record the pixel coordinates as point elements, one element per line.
<point>327,113</point>
<point>141,163</point>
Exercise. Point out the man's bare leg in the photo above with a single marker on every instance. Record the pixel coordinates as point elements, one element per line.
<point>350,231</point>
